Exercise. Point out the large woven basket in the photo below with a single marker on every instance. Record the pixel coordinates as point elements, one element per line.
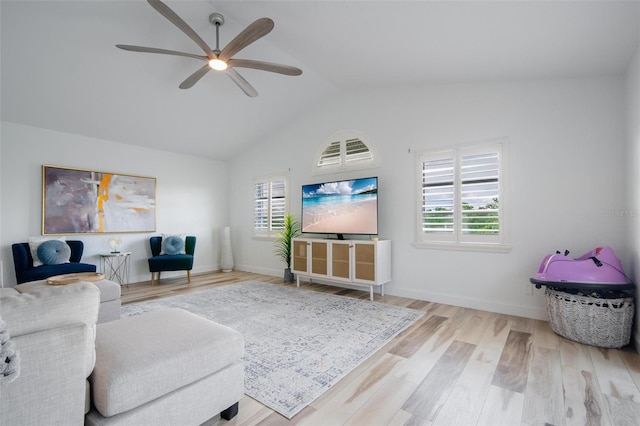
<point>594,321</point>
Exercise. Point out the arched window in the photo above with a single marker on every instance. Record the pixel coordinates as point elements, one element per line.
<point>346,150</point>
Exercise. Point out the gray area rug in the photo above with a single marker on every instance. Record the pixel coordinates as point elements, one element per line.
<point>298,343</point>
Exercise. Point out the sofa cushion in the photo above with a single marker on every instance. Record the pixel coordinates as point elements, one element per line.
<point>54,252</point>
<point>37,306</point>
<point>177,262</point>
<point>141,358</point>
<point>109,291</point>
<point>46,271</point>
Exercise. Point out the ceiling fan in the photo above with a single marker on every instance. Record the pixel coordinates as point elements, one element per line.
<point>216,59</point>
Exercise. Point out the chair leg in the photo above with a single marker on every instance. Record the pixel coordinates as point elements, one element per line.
<point>189,276</point>
<point>155,278</point>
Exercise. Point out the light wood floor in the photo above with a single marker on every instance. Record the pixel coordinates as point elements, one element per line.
<point>455,366</point>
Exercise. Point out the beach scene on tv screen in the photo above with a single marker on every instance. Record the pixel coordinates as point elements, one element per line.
<point>345,207</point>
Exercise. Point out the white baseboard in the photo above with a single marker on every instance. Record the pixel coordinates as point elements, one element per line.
<point>483,305</point>
<point>480,304</point>
<point>264,271</point>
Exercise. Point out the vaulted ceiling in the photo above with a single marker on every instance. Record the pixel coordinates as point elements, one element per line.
<point>60,69</point>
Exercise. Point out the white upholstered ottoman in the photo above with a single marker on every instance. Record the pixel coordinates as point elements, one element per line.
<point>109,300</point>
<point>166,367</point>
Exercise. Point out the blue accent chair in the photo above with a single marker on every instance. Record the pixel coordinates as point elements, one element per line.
<point>171,262</point>
<point>25,271</point>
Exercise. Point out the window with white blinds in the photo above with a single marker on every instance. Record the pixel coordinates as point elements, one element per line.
<point>345,150</point>
<point>270,204</point>
<point>461,196</point>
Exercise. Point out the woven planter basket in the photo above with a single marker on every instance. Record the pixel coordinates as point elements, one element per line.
<point>591,320</point>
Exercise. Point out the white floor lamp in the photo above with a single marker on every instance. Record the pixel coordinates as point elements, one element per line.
<point>226,254</point>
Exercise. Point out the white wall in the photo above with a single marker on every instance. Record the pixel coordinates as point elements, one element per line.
<point>567,183</point>
<point>191,193</point>
<point>2,281</point>
<point>633,175</point>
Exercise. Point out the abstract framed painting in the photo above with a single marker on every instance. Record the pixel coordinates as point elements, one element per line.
<point>76,201</point>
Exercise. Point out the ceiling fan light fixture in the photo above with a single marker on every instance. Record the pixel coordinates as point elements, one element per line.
<point>218,64</point>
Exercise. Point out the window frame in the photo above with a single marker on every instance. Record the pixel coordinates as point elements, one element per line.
<point>271,231</point>
<point>457,240</point>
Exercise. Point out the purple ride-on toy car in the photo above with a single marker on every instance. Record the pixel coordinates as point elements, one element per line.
<point>599,266</point>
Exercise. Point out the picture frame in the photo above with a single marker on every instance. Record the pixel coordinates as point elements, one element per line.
<point>81,201</point>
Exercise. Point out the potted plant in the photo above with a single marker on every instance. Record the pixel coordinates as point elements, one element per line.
<point>283,244</point>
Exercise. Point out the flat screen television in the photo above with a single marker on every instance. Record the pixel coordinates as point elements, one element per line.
<point>341,207</point>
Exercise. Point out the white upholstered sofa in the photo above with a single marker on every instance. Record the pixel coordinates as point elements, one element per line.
<point>53,329</point>
<point>75,372</point>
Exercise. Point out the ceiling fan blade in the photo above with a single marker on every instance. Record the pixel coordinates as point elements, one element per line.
<point>178,22</point>
<point>253,32</point>
<point>195,77</point>
<point>161,51</point>
<point>264,66</point>
<point>242,83</point>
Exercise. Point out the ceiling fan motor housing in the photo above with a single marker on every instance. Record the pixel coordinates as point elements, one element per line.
<point>216,19</point>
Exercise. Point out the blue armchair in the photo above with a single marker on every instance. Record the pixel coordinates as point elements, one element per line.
<point>171,262</point>
<point>25,271</point>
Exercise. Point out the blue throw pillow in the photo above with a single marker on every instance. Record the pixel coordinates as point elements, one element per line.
<point>173,245</point>
<point>54,252</point>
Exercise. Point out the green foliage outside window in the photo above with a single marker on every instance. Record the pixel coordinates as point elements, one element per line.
<point>484,220</point>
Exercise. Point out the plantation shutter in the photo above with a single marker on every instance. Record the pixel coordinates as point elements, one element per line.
<point>330,156</point>
<point>480,193</point>
<point>345,150</point>
<point>261,206</point>
<point>270,204</point>
<point>438,196</point>
<point>461,197</point>
<point>356,150</point>
<point>278,204</point>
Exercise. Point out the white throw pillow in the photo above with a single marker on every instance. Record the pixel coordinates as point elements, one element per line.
<point>34,243</point>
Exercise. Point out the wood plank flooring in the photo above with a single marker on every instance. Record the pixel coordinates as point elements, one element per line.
<point>454,366</point>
